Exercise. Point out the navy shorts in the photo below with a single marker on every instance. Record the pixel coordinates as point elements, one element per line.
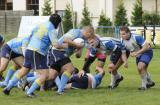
<point>57,59</point>
<point>7,52</point>
<point>80,83</point>
<point>145,57</point>
<point>34,60</point>
<point>116,55</point>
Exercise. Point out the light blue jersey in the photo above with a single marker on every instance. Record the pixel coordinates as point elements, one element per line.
<point>17,44</point>
<point>42,37</point>
<point>71,34</point>
<point>135,42</point>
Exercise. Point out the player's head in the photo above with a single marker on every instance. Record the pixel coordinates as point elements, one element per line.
<point>1,40</point>
<point>94,42</point>
<point>88,32</point>
<point>124,32</point>
<point>55,19</point>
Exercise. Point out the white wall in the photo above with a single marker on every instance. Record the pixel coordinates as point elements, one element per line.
<point>19,4</point>
<point>129,5</point>
<point>149,5</point>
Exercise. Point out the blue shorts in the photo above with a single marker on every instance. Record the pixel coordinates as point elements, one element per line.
<point>34,60</point>
<point>145,57</point>
<point>116,55</point>
<point>7,52</point>
<point>57,59</point>
<point>80,83</point>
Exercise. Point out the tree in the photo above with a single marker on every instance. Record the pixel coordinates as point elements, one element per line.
<point>136,18</point>
<point>67,19</point>
<point>151,18</point>
<point>47,10</point>
<point>121,17</point>
<point>86,19</point>
<point>103,21</point>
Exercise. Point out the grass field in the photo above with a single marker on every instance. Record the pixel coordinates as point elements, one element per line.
<point>126,94</point>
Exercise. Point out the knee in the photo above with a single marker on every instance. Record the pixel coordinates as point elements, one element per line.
<point>140,68</point>
<point>111,67</point>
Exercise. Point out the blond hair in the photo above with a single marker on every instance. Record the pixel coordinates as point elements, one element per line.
<point>89,29</point>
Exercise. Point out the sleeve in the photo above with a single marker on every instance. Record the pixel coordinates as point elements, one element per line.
<point>53,36</point>
<point>93,52</point>
<point>1,38</point>
<point>140,40</point>
<point>25,43</point>
<point>110,46</point>
<point>72,34</point>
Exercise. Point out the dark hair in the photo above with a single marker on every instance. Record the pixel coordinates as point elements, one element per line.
<point>55,19</point>
<point>125,28</point>
<point>1,39</point>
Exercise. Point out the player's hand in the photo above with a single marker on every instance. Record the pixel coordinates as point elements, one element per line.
<point>81,73</point>
<point>79,46</point>
<point>93,43</point>
<point>134,54</point>
<point>126,64</point>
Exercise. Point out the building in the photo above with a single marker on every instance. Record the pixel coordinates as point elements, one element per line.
<point>95,6</point>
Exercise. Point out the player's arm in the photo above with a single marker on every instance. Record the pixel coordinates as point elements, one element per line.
<point>100,70</point>
<point>70,42</point>
<point>124,59</point>
<point>53,35</point>
<point>78,52</point>
<point>124,56</point>
<point>145,46</point>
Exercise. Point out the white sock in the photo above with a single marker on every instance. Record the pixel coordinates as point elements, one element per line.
<point>112,80</point>
<point>117,76</point>
<point>144,80</point>
<point>149,80</point>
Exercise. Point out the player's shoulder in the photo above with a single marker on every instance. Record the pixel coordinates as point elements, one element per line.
<point>133,35</point>
<point>74,30</point>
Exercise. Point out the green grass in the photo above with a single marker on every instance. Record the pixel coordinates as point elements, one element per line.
<point>8,36</point>
<point>126,94</point>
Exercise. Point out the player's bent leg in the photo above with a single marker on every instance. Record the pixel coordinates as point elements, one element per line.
<point>150,82</point>
<point>38,82</point>
<point>3,66</point>
<point>142,70</point>
<point>9,74</point>
<point>52,74</point>
<point>68,70</point>
<point>22,72</point>
<point>116,77</point>
<point>19,61</point>
<point>100,64</point>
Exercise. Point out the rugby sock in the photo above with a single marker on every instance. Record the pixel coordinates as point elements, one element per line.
<point>31,79</point>
<point>9,75</point>
<point>149,80</point>
<point>58,82</point>
<point>112,80</point>
<point>13,81</point>
<point>34,86</point>
<point>30,74</point>
<point>64,79</point>
<point>117,76</point>
<point>144,80</point>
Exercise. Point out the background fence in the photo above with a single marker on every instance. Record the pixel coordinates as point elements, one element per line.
<point>10,21</point>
